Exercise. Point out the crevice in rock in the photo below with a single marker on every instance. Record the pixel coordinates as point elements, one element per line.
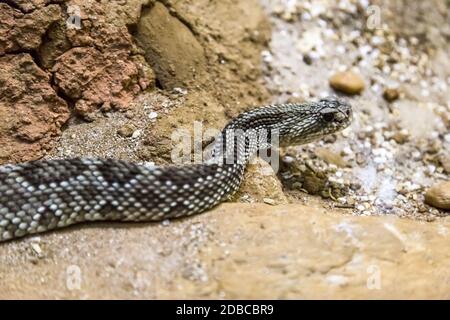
<point>158,84</point>
<point>175,14</point>
<point>35,56</point>
<point>133,30</point>
<point>44,39</point>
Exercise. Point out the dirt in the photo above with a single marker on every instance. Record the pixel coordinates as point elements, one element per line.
<point>116,88</point>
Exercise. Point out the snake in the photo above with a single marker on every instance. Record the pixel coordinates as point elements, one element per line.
<point>43,195</point>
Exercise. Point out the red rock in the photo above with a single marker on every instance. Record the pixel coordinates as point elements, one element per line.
<point>31,112</point>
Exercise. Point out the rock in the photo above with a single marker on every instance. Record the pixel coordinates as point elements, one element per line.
<point>269,201</point>
<point>391,94</point>
<point>93,78</point>
<point>261,183</point>
<point>177,57</point>
<point>126,130</point>
<point>338,256</point>
<point>439,196</point>
<point>240,251</point>
<point>31,112</point>
<point>347,82</point>
<point>314,182</point>
<point>307,59</point>
<point>401,136</point>
<point>24,32</point>
<point>55,45</point>
<point>444,160</point>
<point>30,5</point>
<point>331,157</point>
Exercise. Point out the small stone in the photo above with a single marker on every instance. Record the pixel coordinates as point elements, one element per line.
<point>391,94</point>
<point>444,160</point>
<point>269,201</point>
<point>434,147</point>
<point>314,183</point>
<point>347,82</point>
<point>401,136</point>
<point>136,134</point>
<point>307,59</point>
<point>438,196</point>
<point>126,130</point>
<point>129,114</point>
<point>37,249</point>
<point>331,157</point>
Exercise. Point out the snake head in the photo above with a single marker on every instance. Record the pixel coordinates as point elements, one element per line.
<point>312,121</point>
<point>336,113</point>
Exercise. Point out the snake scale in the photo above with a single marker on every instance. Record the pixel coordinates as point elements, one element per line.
<point>43,195</point>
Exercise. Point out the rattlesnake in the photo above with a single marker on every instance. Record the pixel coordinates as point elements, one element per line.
<point>43,195</point>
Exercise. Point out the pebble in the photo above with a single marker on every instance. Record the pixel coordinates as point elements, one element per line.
<point>126,130</point>
<point>36,248</point>
<point>136,134</point>
<point>401,136</point>
<point>269,201</point>
<point>391,94</point>
<point>444,160</point>
<point>331,157</point>
<point>347,82</point>
<point>438,195</point>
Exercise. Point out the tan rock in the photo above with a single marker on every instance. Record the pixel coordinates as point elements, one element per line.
<point>314,254</point>
<point>177,57</point>
<point>439,195</point>
<point>261,184</point>
<point>401,136</point>
<point>248,251</point>
<point>444,160</point>
<point>347,82</point>
<point>126,130</point>
<point>331,157</point>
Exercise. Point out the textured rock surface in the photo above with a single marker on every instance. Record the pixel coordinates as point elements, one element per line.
<point>236,251</point>
<point>22,32</point>
<point>31,112</point>
<point>177,57</point>
<point>47,64</point>
<point>92,79</point>
<point>90,55</point>
<point>261,184</point>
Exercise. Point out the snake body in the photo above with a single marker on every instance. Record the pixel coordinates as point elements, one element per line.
<point>43,195</point>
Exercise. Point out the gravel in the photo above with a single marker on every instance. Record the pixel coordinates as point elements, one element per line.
<point>398,138</point>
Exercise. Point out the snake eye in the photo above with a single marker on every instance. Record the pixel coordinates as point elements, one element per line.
<point>328,114</point>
